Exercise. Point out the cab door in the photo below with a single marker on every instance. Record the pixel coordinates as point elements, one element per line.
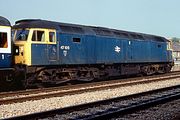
<point>52,46</point>
<point>129,51</point>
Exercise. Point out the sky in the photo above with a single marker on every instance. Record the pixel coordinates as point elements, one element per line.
<point>158,17</point>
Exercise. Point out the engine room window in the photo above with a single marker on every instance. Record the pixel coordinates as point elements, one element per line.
<point>76,40</point>
<point>51,37</point>
<point>22,35</point>
<point>3,40</point>
<point>38,36</point>
<point>159,46</point>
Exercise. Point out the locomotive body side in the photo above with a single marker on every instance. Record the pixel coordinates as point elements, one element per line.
<point>94,49</point>
<point>52,52</point>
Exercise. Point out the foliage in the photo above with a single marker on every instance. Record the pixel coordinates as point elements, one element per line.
<point>174,39</point>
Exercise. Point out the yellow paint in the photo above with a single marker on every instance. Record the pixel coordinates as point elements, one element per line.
<point>1,27</point>
<point>24,56</point>
<point>46,36</point>
<point>26,45</point>
<point>169,46</point>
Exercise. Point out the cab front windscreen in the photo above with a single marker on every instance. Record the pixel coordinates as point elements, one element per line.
<point>21,35</point>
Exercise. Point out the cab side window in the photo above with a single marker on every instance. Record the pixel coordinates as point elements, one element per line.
<point>3,40</point>
<point>38,36</point>
<point>52,37</point>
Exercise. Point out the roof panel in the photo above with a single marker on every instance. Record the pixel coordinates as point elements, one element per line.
<point>4,21</point>
<point>82,29</point>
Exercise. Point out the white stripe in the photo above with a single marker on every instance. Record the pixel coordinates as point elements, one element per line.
<point>8,31</point>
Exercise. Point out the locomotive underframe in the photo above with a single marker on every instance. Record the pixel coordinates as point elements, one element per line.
<point>40,75</point>
<point>12,78</point>
<point>6,78</point>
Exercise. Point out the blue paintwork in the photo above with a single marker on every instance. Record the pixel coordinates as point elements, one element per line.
<point>44,54</point>
<point>6,62</point>
<point>99,49</point>
<point>39,54</point>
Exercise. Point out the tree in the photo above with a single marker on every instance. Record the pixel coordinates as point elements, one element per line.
<point>174,39</point>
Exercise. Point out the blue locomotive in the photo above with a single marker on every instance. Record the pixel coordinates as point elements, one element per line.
<point>52,52</point>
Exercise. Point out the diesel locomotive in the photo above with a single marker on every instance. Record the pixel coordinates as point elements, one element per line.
<point>46,52</point>
<point>51,52</point>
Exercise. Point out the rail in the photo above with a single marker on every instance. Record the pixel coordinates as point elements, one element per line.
<point>106,109</point>
<point>21,96</point>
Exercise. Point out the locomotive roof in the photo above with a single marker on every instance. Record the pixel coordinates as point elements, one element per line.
<point>4,21</point>
<point>82,29</point>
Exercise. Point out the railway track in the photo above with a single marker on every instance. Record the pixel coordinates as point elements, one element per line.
<point>106,109</point>
<point>35,94</point>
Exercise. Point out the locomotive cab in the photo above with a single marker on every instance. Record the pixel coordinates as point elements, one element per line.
<point>170,51</point>
<point>34,45</point>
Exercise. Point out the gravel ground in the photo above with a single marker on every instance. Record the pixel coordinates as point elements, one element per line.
<point>167,111</point>
<point>176,67</point>
<point>107,106</point>
<point>28,107</point>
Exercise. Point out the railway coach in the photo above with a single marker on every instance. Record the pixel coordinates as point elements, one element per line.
<point>52,52</point>
<point>6,70</point>
<point>5,43</point>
